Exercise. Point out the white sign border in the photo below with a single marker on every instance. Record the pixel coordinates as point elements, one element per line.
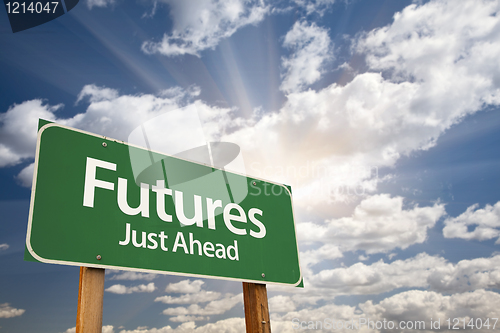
<point>71,263</point>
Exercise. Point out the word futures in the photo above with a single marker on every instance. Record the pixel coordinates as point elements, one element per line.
<point>231,212</point>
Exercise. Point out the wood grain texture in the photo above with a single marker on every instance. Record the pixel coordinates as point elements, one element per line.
<point>90,296</point>
<point>256,308</point>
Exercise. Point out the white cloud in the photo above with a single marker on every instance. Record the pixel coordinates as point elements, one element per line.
<point>437,43</point>
<point>116,116</point>
<point>25,177</point>
<point>198,297</point>
<point>413,305</point>
<point>378,224</point>
<point>6,311</point>
<point>378,277</point>
<point>466,275</point>
<point>417,305</point>
<point>184,318</point>
<point>438,64</point>
<point>4,246</point>
<point>447,50</point>
<point>435,64</point>
<point>186,327</point>
<point>97,94</point>
<point>311,49</point>
<point>422,271</point>
<point>230,325</point>
<point>105,329</point>
<point>121,289</point>
<point>216,307</point>
<point>185,287</point>
<point>283,323</point>
<point>281,303</point>
<point>486,222</point>
<point>315,6</point>
<point>364,258</point>
<point>99,3</point>
<point>192,295</point>
<point>108,114</point>
<point>310,258</point>
<point>131,276</point>
<point>18,130</point>
<point>202,25</point>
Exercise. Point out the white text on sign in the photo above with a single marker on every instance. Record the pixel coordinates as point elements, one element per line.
<point>232,212</point>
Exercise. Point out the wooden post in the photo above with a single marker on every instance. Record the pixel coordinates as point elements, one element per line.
<point>90,296</point>
<point>256,308</point>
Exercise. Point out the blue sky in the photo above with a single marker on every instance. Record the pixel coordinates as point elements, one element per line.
<point>389,108</point>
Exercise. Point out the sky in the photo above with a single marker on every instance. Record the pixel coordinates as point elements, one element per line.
<point>380,114</point>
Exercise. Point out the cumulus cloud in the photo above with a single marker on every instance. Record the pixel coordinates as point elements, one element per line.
<point>486,223</point>
<point>131,276</point>
<point>435,64</point>
<point>216,307</point>
<point>310,258</point>
<point>116,115</point>
<point>193,294</point>
<point>447,50</point>
<point>378,224</point>
<point>25,177</point>
<point>97,94</point>
<point>378,277</point>
<point>121,289</point>
<point>202,25</point>
<point>4,246</point>
<point>185,287</point>
<point>184,318</point>
<point>198,297</point>
<point>315,6</point>
<point>311,49</point>
<point>99,3</point>
<point>421,271</point>
<point>105,329</point>
<point>441,42</point>
<point>18,130</point>
<point>431,67</point>
<point>466,275</point>
<point>413,305</point>
<point>283,323</point>
<point>108,113</point>
<point>417,305</point>
<point>281,303</point>
<point>6,311</point>
<point>230,325</point>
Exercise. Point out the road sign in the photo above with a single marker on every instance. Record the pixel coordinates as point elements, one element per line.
<point>176,217</point>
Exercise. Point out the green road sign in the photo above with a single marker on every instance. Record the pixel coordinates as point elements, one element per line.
<point>99,202</point>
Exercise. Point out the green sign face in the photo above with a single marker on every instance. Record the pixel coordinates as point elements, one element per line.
<point>98,202</point>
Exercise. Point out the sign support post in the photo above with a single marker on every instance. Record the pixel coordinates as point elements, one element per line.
<point>90,299</point>
<point>256,308</point>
